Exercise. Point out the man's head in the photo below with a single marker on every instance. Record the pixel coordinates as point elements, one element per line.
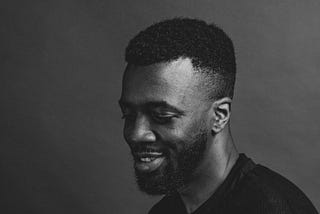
<point>176,95</point>
<point>209,48</point>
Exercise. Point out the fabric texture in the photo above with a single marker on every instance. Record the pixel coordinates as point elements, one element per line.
<point>249,189</point>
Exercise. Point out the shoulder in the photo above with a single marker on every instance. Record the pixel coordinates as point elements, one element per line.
<point>265,191</point>
<point>168,204</point>
<point>159,206</point>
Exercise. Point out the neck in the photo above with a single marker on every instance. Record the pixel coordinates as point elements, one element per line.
<point>213,170</point>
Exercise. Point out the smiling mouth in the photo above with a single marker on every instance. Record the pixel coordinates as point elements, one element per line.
<point>148,161</point>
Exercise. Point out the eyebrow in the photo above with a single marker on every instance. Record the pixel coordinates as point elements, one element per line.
<point>154,104</point>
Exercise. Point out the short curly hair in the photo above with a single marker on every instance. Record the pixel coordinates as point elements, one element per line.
<point>208,46</point>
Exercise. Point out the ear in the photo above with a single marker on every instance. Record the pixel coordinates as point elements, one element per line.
<point>221,111</point>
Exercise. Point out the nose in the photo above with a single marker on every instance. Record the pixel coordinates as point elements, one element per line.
<point>139,131</point>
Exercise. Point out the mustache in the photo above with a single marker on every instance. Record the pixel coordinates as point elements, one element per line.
<point>157,147</point>
<point>140,148</point>
<point>165,146</point>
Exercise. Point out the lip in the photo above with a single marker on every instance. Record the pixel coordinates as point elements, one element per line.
<point>152,164</point>
<point>146,154</point>
<point>148,158</point>
<point>146,150</point>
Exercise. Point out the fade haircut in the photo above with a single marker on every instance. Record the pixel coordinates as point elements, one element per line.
<point>210,49</point>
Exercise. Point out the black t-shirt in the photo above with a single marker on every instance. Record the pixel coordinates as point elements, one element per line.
<point>248,189</point>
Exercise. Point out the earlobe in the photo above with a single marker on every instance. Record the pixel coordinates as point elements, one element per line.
<point>222,112</point>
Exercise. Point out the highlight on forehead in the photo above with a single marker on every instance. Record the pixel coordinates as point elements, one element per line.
<point>209,84</point>
<point>174,82</point>
<point>179,69</point>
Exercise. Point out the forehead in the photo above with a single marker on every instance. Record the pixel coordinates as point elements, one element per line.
<point>176,83</point>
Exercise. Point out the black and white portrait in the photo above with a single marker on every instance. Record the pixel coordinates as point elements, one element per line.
<point>160,107</point>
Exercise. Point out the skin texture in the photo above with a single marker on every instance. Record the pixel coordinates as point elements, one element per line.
<point>165,108</point>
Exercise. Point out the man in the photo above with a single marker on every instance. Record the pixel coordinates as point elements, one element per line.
<point>176,101</point>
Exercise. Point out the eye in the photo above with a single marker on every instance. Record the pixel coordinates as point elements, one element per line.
<point>162,118</point>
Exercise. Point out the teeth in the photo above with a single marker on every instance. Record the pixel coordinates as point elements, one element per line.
<point>147,160</point>
<point>148,156</point>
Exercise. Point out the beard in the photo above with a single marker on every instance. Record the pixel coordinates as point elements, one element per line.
<point>177,169</point>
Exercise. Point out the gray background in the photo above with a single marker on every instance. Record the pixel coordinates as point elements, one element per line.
<point>61,146</point>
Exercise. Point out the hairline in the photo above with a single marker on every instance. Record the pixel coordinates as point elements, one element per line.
<point>209,78</point>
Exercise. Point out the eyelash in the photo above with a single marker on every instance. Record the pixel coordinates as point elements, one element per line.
<point>161,118</point>
<point>157,117</point>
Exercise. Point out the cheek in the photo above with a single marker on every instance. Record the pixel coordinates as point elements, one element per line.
<point>176,141</point>
<point>188,130</point>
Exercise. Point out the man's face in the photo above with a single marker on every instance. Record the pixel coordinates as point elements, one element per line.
<point>166,124</point>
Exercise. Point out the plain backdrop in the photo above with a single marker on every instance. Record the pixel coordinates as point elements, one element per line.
<point>61,145</point>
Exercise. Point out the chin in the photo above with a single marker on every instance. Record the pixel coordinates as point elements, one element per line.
<point>176,170</point>
<point>164,180</point>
